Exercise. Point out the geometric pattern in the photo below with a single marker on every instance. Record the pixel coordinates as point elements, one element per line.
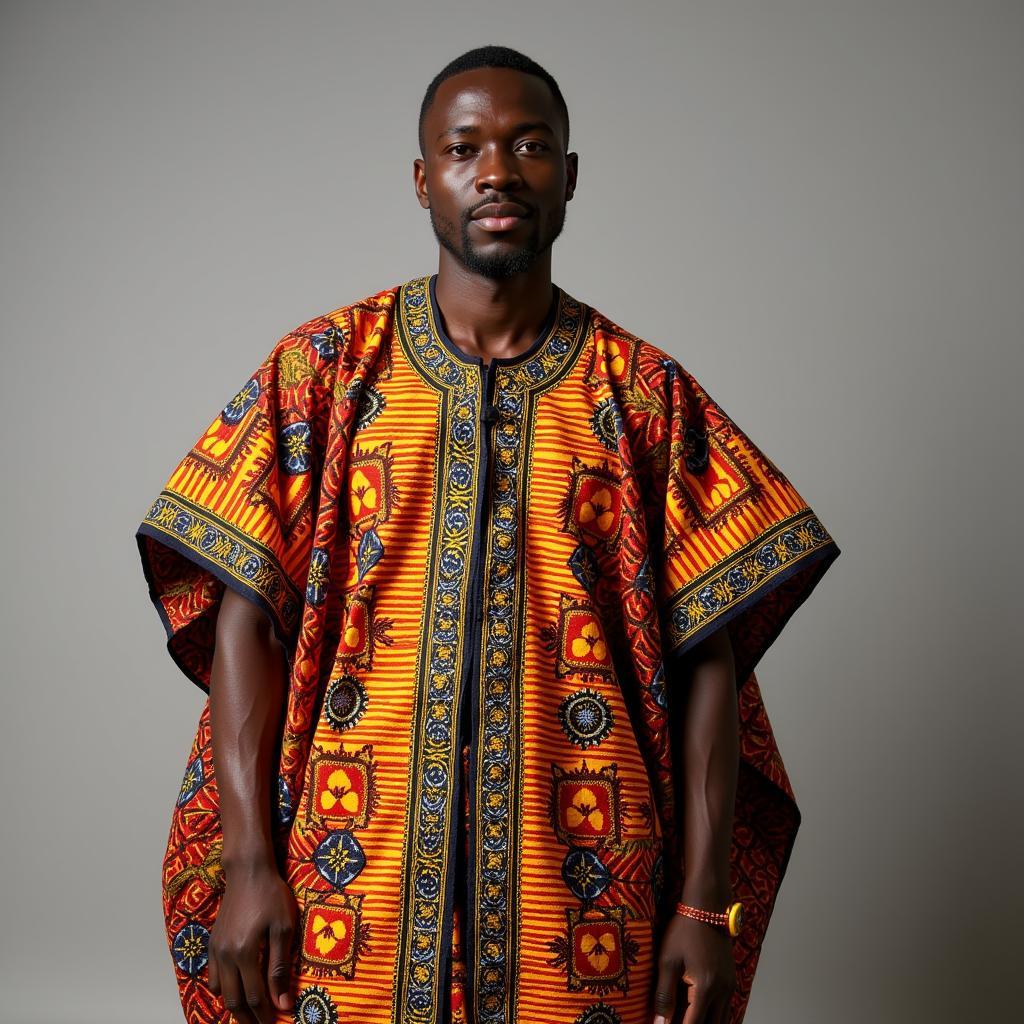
<point>572,522</point>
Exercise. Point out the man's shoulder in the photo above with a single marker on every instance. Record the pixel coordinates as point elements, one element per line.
<point>619,342</point>
<point>321,338</point>
<point>643,368</point>
<point>352,315</point>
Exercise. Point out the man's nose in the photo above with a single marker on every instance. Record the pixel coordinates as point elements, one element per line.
<point>497,169</point>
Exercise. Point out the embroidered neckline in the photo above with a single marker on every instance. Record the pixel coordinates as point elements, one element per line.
<point>444,364</point>
<point>441,334</point>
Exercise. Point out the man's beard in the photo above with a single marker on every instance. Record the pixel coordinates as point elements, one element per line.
<point>500,265</point>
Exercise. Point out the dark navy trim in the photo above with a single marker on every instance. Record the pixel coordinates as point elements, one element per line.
<point>194,556</point>
<point>474,679</point>
<point>819,559</point>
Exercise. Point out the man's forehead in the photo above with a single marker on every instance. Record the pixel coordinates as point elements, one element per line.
<point>493,93</point>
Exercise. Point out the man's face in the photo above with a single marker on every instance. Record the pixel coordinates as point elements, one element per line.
<point>495,175</point>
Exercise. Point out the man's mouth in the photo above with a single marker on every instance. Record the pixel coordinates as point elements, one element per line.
<point>500,216</point>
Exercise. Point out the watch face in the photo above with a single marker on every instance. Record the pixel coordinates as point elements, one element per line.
<point>735,918</point>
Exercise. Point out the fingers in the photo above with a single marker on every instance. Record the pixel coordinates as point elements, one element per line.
<point>700,1002</point>
<point>241,987</point>
<point>232,994</point>
<point>665,992</point>
<point>721,1013</point>
<point>257,999</point>
<point>212,972</point>
<point>279,966</point>
<point>709,1003</point>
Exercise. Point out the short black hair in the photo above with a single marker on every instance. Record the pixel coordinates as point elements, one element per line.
<point>492,57</point>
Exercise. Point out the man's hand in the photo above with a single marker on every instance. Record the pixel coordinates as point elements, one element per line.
<point>700,955</point>
<point>255,925</point>
<point>250,942</point>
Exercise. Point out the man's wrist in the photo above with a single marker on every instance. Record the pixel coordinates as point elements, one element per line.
<point>731,918</point>
<point>712,892</point>
<point>251,861</point>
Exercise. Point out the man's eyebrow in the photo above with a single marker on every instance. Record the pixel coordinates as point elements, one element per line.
<point>523,126</point>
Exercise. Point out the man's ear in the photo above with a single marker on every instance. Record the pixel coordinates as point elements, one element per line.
<point>419,179</point>
<point>572,168</point>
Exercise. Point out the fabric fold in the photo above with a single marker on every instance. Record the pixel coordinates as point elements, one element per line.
<point>238,509</point>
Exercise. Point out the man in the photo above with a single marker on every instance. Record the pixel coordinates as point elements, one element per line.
<point>475,581</point>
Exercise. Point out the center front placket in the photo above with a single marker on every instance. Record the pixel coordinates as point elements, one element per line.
<point>469,717</point>
<point>471,667</point>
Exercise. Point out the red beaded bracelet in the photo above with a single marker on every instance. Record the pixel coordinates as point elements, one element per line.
<point>731,919</point>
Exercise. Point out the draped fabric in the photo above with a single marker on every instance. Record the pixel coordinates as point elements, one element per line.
<point>484,576</point>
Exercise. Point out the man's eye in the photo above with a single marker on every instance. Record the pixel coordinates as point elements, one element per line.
<point>458,145</point>
<point>540,147</point>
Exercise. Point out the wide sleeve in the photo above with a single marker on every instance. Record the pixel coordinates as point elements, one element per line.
<point>740,546</point>
<point>239,508</point>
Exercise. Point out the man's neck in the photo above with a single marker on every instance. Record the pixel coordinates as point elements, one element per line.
<point>489,318</point>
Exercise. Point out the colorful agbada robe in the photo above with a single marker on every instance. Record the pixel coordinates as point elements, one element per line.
<point>484,576</point>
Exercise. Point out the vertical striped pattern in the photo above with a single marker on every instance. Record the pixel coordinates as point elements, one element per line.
<point>563,427</point>
<point>409,422</point>
<point>428,862</point>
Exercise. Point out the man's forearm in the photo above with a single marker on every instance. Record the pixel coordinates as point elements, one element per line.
<point>247,692</point>
<point>708,744</point>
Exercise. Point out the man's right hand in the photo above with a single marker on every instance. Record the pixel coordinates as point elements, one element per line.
<point>255,927</point>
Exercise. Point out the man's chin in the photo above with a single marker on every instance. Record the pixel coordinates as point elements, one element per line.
<point>500,261</point>
<point>497,265</point>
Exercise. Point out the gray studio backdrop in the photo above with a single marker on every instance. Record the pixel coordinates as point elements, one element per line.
<point>817,207</point>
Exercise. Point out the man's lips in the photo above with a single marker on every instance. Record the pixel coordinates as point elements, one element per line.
<point>499,216</point>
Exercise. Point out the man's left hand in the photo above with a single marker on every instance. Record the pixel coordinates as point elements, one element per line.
<point>700,955</point>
